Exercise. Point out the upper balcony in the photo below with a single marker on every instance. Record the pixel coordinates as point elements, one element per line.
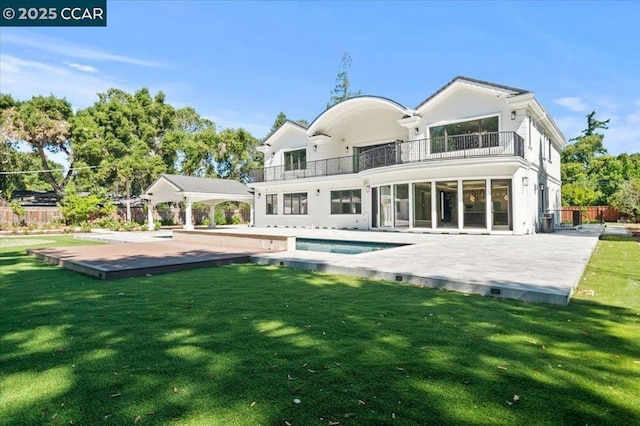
<point>490,144</point>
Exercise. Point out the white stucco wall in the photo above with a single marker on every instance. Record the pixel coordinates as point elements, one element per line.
<point>288,138</point>
<point>369,122</point>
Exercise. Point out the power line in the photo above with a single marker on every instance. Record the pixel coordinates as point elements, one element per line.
<point>46,170</point>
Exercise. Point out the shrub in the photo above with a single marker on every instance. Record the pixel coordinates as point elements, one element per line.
<point>76,209</point>
<point>167,222</point>
<point>237,219</point>
<point>109,222</point>
<point>17,208</point>
<point>220,217</point>
<point>627,199</point>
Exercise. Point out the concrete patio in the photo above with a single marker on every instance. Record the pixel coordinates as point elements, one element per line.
<point>542,268</point>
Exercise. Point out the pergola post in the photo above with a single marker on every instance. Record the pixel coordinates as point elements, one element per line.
<point>252,219</point>
<point>212,216</point>
<point>187,219</point>
<point>150,225</point>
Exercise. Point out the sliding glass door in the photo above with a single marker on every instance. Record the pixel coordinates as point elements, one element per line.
<point>447,199</point>
<point>501,204</point>
<point>422,205</point>
<point>401,201</point>
<point>386,206</point>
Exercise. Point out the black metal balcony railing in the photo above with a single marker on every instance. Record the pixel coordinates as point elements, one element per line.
<point>491,144</point>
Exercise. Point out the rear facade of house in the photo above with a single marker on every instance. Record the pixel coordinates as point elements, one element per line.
<point>475,157</point>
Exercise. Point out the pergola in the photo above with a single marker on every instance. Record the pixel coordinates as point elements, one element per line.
<point>191,189</point>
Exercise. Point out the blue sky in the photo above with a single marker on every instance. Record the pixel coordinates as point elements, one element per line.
<point>240,63</point>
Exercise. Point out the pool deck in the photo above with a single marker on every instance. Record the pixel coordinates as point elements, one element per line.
<point>542,268</point>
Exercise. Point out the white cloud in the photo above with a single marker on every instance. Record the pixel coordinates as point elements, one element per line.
<point>621,136</point>
<point>572,103</point>
<point>80,67</point>
<point>24,79</point>
<point>12,65</point>
<point>64,48</point>
<point>604,103</point>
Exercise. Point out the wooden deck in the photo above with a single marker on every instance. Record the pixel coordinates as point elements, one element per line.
<point>112,261</point>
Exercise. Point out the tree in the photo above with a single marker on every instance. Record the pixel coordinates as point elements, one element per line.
<point>581,180</point>
<point>43,124</point>
<point>122,136</point>
<point>341,90</point>
<point>581,193</point>
<point>627,199</point>
<point>593,124</point>
<point>190,145</point>
<point>280,120</point>
<point>236,154</point>
<point>606,172</point>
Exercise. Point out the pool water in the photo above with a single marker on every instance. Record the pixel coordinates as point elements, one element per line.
<point>342,247</point>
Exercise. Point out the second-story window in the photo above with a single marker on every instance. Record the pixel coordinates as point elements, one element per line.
<point>295,160</point>
<point>465,135</point>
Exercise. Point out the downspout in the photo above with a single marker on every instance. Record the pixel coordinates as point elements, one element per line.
<point>529,226</point>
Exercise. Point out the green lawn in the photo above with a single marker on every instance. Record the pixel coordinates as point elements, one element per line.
<point>236,345</point>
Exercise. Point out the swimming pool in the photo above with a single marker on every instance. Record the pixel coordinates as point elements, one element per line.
<point>342,247</point>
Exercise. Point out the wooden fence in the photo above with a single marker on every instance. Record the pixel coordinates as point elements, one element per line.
<point>33,216</point>
<point>591,213</point>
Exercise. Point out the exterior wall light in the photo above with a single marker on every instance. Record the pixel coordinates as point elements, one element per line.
<point>525,181</point>
<point>317,192</point>
<point>315,148</point>
<point>346,149</point>
<point>259,195</point>
<point>513,115</point>
<point>368,188</point>
<point>541,187</point>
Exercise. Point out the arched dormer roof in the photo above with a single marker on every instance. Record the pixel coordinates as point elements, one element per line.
<point>336,113</point>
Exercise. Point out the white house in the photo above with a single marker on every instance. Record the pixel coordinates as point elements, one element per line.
<point>474,157</point>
